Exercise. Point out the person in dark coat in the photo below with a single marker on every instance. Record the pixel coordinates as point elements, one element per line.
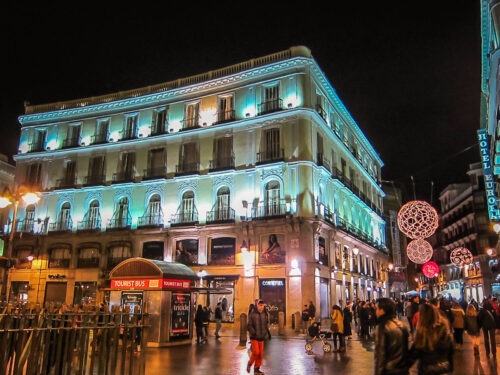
<point>472,327</point>
<point>433,344</point>
<point>391,341</point>
<point>312,311</point>
<point>486,321</point>
<point>199,318</point>
<point>364,320</point>
<point>347,321</point>
<point>218,319</point>
<point>258,326</point>
<point>206,320</point>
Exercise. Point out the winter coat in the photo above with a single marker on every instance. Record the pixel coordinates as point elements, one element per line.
<point>486,319</point>
<point>458,317</point>
<point>471,325</point>
<point>218,313</point>
<point>312,311</point>
<point>257,325</point>
<point>337,319</point>
<point>391,347</point>
<point>199,318</point>
<point>440,359</point>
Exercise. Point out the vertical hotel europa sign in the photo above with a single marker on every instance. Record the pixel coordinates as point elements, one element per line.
<point>489,182</point>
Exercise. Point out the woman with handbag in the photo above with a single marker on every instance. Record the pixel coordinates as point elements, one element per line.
<point>433,344</point>
<point>338,329</point>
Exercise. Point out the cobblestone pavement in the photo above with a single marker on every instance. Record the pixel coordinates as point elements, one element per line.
<point>287,356</point>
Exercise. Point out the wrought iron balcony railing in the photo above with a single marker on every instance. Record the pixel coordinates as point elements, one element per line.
<point>187,169</point>
<point>36,147</point>
<point>121,177</point>
<point>220,215</point>
<point>88,263</point>
<point>59,263</point>
<point>191,123</point>
<point>99,138</point>
<point>270,156</point>
<point>120,222</point>
<point>269,209</point>
<point>184,218</point>
<point>61,226</point>
<point>95,179</point>
<point>71,142</point>
<point>323,162</point>
<point>155,220</point>
<point>153,173</point>
<point>127,134</point>
<point>66,182</point>
<point>321,111</point>
<point>225,116</point>
<point>92,224</point>
<point>221,164</point>
<point>270,106</point>
<point>160,128</point>
<point>26,226</point>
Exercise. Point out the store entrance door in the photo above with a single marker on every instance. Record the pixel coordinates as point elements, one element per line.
<point>273,293</point>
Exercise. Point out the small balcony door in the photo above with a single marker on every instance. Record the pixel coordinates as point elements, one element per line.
<point>223,204</point>
<point>272,198</point>
<point>122,212</point>
<point>226,108</point>
<point>187,207</point>
<point>73,135</point>
<point>192,115</point>
<point>130,127</point>
<point>94,216</point>
<point>64,216</point>
<point>272,143</point>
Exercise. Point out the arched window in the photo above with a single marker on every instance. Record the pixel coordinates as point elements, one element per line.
<point>64,221</point>
<point>94,216</point>
<point>272,198</point>
<point>187,207</point>
<point>27,225</point>
<point>223,206</point>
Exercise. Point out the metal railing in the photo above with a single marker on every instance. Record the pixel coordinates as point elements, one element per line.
<point>185,218</point>
<point>99,138</point>
<point>88,262</point>
<point>187,169</point>
<point>119,177</point>
<point>93,224</point>
<point>71,142</point>
<point>61,226</point>
<point>120,222</point>
<point>25,226</point>
<point>158,129</point>
<point>66,182</point>
<point>155,220</point>
<point>36,147</point>
<point>270,209</point>
<point>225,116</point>
<point>321,111</point>
<point>270,156</point>
<point>127,134</point>
<point>220,215</point>
<point>93,180</point>
<point>191,123</point>
<point>59,263</point>
<point>323,162</point>
<point>72,342</point>
<point>152,173</point>
<point>270,106</point>
<point>220,164</point>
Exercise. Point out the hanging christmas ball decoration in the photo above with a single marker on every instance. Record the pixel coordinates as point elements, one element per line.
<point>461,257</point>
<point>419,251</point>
<point>430,269</point>
<point>417,219</point>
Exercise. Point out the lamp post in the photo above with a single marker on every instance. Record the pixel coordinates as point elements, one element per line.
<point>22,193</point>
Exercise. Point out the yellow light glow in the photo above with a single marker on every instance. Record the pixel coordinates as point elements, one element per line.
<point>496,228</point>
<point>4,202</point>
<point>31,198</point>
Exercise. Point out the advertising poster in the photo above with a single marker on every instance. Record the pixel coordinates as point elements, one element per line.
<point>272,249</point>
<point>181,310</point>
<point>222,251</point>
<point>186,252</point>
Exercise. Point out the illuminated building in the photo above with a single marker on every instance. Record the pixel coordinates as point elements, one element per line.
<point>255,175</point>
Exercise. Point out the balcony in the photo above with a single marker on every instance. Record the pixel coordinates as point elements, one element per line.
<point>154,173</point>
<point>36,147</point>
<point>321,111</point>
<point>94,180</point>
<point>186,169</point>
<point>269,210</point>
<point>224,215</point>
<point>185,218</point>
<point>225,116</point>
<point>191,123</point>
<point>126,135</point>
<point>117,223</point>
<point>89,225</point>
<point>270,156</point>
<point>65,183</point>
<point>323,162</point>
<point>25,226</point>
<point>151,221</point>
<point>221,164</point>
<point>159,129</point>
<point>99,138</point>
<point>71,142</point>
<point>88,263</point>
<point>61,226</point>
<point>59,263</point>
<point>269,106</point>
<point>122,177</point>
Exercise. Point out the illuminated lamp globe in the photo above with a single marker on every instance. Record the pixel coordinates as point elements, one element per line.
<point>4,202</point>
<point>430,269</point>
<point>417,219</point>
<point>496,228</point>
<point>355,251</point>
<point>461,257</point>
<point>31,198</point>
<point>419,251</point>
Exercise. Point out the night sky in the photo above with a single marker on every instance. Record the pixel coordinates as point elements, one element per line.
<point>409,73</point>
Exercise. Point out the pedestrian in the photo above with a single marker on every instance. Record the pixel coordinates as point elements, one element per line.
<point>337,328</point>
<point>312,311</point>
<point>347,321</point>
<point>373,317</point>
<point>206,320</point>
<point>391,341</point>
<point>410,312</point>
<point>198,321</point>
<point>218,319</point>
<point>305,319</point>
<point>433,344</point>
<point>472,327</point>
<point>486,321</point>
<point>364,321</point>
<point>257,327</point>
<point>458,324</point>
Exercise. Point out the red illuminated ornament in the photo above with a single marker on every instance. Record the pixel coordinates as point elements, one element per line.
<point>419,251</point>
<point>461,257</point>
<point>430,269</point>
<point>418,219</point>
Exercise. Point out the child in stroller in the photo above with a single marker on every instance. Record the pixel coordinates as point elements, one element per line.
<point>315,334</point>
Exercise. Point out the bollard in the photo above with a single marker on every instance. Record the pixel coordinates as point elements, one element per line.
<point>243,329</point>
<point>281,323</point>
<point>293,321</point>
<point>297,322</point>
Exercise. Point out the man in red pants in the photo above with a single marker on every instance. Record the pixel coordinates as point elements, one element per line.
<point>257,327</point>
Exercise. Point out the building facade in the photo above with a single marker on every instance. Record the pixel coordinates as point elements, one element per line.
<point>255,175</point>
<point>465,223</point>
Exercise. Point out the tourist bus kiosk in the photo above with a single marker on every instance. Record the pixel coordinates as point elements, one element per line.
<point>168,290</point>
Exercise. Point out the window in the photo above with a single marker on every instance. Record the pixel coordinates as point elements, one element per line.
<point>88,257</point>
<point>64,219</point>
<point>69,174</point>
<point>192,115</point>
<point>222,251</point>
<point>272,144</point>
<point>27,225</point>
<point>187,206</point>
<point>33,174</point>
<point>338,256</point>
<point>118,253</point>
<point>159,121</point>
<point>96,170</point>
<point>223,153</point>
<point>225,108</point>
<point>94,216</point>
<point>72,136</point>
<point>121,216</point>
<point>153,250</point>
<point>130,127</point>
<point>126,167</point>
<point>85,293</point>
<point>272,198</point>
<point>271,99</point>
<point>156,163</point>
<point>101,132</point>
<point>226,300</point>
<point>154,213</point>
<point>223,205</point>
<point>59,257</point>
<point>38,140</point>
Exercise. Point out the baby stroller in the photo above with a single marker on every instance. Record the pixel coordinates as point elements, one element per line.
<point>315,334</point>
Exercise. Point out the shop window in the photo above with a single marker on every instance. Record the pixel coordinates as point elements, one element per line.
<point>60,257</point>
<point>19,291</point>
<point>153,250</point>
<point>226,300</point>
<point>85,293</point>
<point>222,251</point>
<point>88,257</point>
<point>186,252</point>
<point>273,291</point>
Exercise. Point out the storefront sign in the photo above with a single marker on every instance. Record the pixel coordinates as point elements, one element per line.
<point>181,310</point>
<point>150,284</point>
<point>273,283</point>
<point>489,182</point>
